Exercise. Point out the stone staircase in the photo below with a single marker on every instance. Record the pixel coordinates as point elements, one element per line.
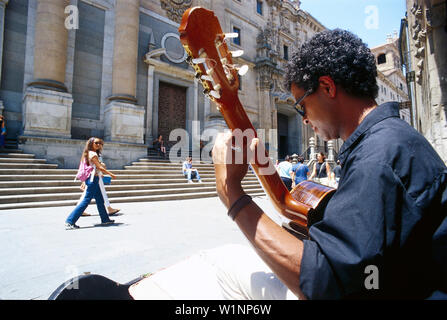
<point>26,182</point>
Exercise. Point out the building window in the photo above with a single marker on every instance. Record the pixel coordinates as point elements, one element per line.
<point>238,39</point>
<point>381,58</point>
<point>259,7</point>
<point>286,53</point>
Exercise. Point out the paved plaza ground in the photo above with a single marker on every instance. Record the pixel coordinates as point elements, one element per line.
<point>37,253</point>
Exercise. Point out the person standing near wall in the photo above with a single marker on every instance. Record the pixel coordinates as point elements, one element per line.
<point>2,131</point>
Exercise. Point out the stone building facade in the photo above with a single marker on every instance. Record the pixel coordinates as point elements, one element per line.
<point>423,39</point>
<point>115,69</point>
<point>390,79</point>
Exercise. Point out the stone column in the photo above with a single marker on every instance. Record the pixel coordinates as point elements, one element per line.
<point>47,104</point>
<point>313,155</point>
<point>3,4</point>
<point>149,60</point>
<point>330,146</point>
<point>150,102</point>
<point>195,128</point>
<point>124,119</point>
<point>125,51</point>
<point>50,46</point>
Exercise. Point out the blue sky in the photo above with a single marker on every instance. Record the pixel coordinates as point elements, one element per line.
<point>371,20</point>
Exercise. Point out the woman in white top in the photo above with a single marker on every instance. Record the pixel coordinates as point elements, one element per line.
<point>90,156</point>
<point>111,211</point>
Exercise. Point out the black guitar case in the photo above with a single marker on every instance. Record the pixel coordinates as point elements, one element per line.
<point>93,287</point>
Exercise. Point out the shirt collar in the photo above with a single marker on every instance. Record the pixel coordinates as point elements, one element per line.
<point>382,112</point>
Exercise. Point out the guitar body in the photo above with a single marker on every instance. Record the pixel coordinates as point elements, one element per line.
<point>204,41</point>
<point>314,195</point>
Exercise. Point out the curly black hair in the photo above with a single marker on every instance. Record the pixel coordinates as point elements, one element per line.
<point>339,54</point>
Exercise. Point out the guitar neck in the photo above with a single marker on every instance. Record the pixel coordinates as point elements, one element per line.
<point>236,118</point>
<point>213,64</point>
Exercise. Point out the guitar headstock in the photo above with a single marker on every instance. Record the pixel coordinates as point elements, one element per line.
<point>202,37</point>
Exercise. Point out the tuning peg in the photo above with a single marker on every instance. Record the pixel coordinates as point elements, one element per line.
<point>198,60</point>
<point>242,70</point>
<point>231,35</point>
<point>237,53</point>
<point>215,94</point>
<point>207,78</point>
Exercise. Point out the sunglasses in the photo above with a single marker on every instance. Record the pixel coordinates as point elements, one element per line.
<point>98,143</point>
<point>298,107</point>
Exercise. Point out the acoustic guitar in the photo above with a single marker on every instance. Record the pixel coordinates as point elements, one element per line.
<point>202,37</point>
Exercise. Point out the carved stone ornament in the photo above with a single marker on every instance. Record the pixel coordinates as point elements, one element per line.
<point>175,8</point>
<point>422,35</point>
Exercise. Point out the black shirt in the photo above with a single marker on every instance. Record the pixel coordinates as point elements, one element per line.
<point>387,219</point>
<point>321,169</point>
<point>337,171</point>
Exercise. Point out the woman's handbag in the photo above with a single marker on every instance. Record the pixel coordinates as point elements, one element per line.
<point>107,179</point>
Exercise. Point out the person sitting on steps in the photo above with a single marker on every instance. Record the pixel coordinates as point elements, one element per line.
<point>159,145</point>
<point>189,172</point>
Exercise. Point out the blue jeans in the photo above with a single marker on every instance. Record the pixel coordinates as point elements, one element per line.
<point>93,191</point>
<point>287,182</point>
<point>191,174</point>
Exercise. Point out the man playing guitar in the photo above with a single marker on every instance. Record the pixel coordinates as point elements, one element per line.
<point>384,231</point>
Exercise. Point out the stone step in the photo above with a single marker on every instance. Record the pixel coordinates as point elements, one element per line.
<point>141,171</point>
<point>26,182</point>
<point>72,183</point>
<point>29,166</point>
<point>124,187</point>
<point>20,161</point>
<point>71,177</point>
<point>167,160</point>
<point>17,155</point>
<point>170,197</point>
<point>165,169</point>
<point>10,150</point>
<point>110,194</point>
<point>170,164</point>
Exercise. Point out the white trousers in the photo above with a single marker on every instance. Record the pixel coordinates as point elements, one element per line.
<point>230,272</point>
<point>103,192</point>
